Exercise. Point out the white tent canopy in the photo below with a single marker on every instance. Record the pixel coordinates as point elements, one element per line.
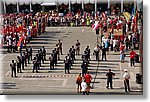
<point>48,4</point>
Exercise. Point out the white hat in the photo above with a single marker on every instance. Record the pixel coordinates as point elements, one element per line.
<point>125,70</point>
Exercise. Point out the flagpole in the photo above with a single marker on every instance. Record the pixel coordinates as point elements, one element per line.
<point>18,6</point>
<point>95,7</point>
<point>30,5</point>
<point>121,6</point>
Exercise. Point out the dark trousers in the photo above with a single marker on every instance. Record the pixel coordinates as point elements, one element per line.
<point>19,67</point>
<point>132,62</point>
<point>51,65</point>
<point>13,71</point>
<point>126,84</point>
<point>85,93</point>
<point>111,45</point>
<point>23,65</point>
<point>109,81</point>
<point>104,55</point>
<point>67,69</point>
<point>97,55</point>
<point>35,68</point>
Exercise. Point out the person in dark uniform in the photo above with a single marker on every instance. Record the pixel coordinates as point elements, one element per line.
<point>30,52</point>
<point>55,56</point>
<point>18,62</point>
<point>51,59</point>
<point>84,68</point>
<point>22,60</point>
<point>60,47</point>
<point>73,53</point>
<point>28,55</point>
<point>77,47</point>
<point>88,52</point>
<point>42,56</point>
<point>35,65</point>
<point>25,58</point>
<point>44,53</point>
<point>85,57</point>
<point>13,68</point>
<point>37,61</point>
<point>66,61</point>
<point>109,75</point>
<point>104,53</point>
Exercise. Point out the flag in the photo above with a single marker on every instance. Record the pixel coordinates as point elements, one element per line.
<point>95,26</point>
<point>20,40</point>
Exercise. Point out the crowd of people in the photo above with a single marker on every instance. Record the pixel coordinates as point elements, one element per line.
<point>19,29</point>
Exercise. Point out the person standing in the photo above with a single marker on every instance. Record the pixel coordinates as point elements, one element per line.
<point>18,62</point>
<point>122,56</point>
<point>44,53</point>
<point>13,68</point>
<point>35,65</point>
<point>96,51</point>
<point>126,78</point>
<point>104,53</point>
<point>84,68</point>
<point>84,87</point>
<point>110,76</point>
<point>78,82</point>
<point>66,61</point>
<point>88,79</point>
<point>60,47</point>
<point>30,52</point>
<point>132,55</point>
<point>77,47</point>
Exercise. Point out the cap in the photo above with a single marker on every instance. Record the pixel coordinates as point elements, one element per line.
<point>125,70</point>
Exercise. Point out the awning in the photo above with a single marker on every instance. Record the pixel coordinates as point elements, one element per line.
<point>48,4</point>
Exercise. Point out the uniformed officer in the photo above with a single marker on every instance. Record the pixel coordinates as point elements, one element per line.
<point>60,47</point>
<point>25,58</point>
<point>66,61</point>
<point>77,47</point>
<point>55,56</point>
<point>22,60</point>
<point>18,62</point>
<point>35,65</point>
<point>28,55</point>
<point>84,68</point>
<point>42,56</point>
<point>51,59</point>
<point>88,52</point>
<point>13,68</point>
<point>85,57</point>
<point>37,61</point>
<point>73,53</point>
<point>44,53</point>
<point>30,52</point>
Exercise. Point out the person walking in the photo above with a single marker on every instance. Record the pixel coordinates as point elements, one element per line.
<point>126,78</point>
<point>84,68</point>
<point>78,82</point>
<point>13,69</point>
<point>132,55</point>
<point>110,76</point>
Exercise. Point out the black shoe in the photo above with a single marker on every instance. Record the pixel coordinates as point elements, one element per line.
<point>107,87</point>
<point>111,87</point>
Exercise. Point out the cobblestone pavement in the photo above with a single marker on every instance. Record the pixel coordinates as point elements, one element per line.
<point>56,81</point>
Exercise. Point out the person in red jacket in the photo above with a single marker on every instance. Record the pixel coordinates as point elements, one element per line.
<point>132,55</point>
<point>88,79</point>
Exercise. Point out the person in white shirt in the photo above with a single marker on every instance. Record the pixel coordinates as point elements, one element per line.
<point>84,87</point>
<point>126,78</point>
